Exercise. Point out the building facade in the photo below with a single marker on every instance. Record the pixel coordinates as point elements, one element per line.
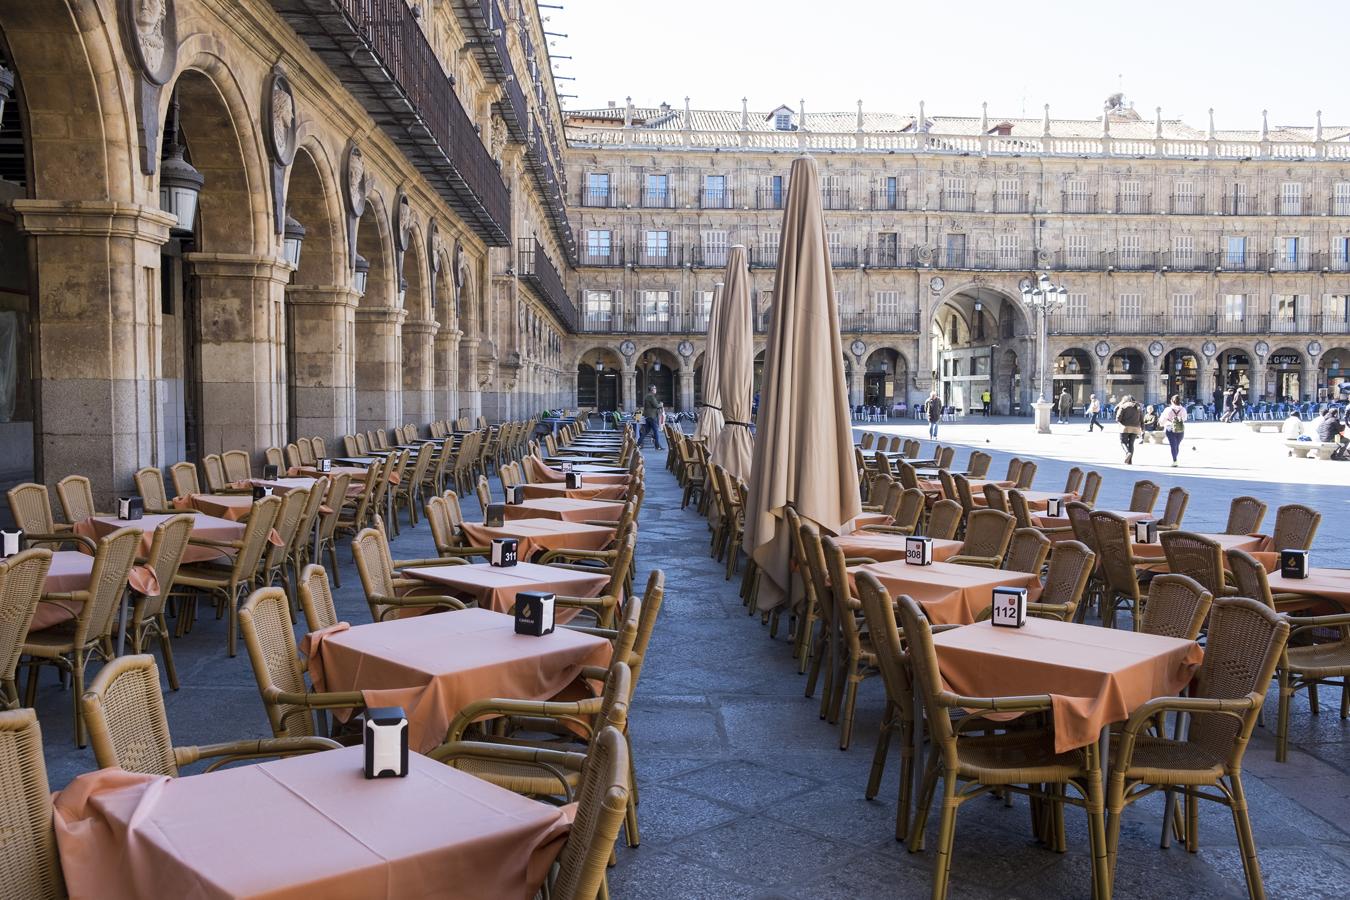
<point>1194,258</point>
<point>229,224</point>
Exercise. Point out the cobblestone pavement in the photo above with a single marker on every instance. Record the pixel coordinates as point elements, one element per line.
<point>745,794</point>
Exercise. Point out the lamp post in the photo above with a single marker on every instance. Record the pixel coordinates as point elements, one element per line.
<point>293,240</point>
<point>1044,297</point>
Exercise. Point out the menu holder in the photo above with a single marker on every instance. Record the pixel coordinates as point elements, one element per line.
<point>514,494</point>
<point>504,552</point>
<point>325,465</point>
<point>11,542</point>
<point>1146,531</point>
<point>919,551</point>
<point>1010,607</point>
<point>573,480</point>
<point>1294,563</point>
<point>1054,507</point>
<point>385,738</point>
<point>534,613</point>
<point>494,515</point>
<point>129,509</point>
<point>271,472</point>
<point>260,492</point>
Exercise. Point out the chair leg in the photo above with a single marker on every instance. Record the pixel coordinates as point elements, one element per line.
<point>30,689</point>
<point>920,825</point>
<point>879,755</point>
<point>166,650</point>
<point>1192,821</point>
<point>902,803</point>
<point>77,680</point>
<point>1251,866</point>
<point>1282,717</point>
<point>946,838</point>
<point>850,702</point>
<point>1101,873</point>
<point>333,563</point>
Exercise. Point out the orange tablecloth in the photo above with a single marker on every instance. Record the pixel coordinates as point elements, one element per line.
<point>540,473</point>
<point>302,827</point>
<point>952,594</point>
<point>203,526</point>
<point>566,509</point>
<point>234,507</point>
<point>70,571</point>
<point>496,588</point>
<point>1094,676</point>
<point>588,492</point>
<point>1035,499</point>
<point>1155,559</point>
<point>1063,522</point>
<point>888,547</point>
<point>1330,584</point>
<point>536,535</point>
<point>872,519</point>
<point>433,666</point>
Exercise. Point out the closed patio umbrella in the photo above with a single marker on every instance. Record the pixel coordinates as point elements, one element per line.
<point>736,372</point>
<point>710,413</point>
<point>803,452</point>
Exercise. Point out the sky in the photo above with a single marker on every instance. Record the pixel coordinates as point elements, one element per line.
<point>1187,56</point>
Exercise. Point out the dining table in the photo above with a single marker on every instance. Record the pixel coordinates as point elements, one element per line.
<point>950,593</point>
<point>538,472</point>
<point>883,547</point>
<point>495,587</point>
<point>1062,522</point>
<point>70,571</point>
<point>537,535</point>
<point>585,492</point>
<point>565,508</point>
<point>234,507</point>
<point>1152,557</point>
<point>434,665</point>
<point>304,826</point>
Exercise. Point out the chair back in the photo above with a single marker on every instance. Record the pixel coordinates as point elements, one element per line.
<point>509,474</point>
<point>21,582</point>
<point>944,519</point>
<point>214,469</point>
<point>1295,527</point>
<point>77,498</point>
<point>1014,470</point>
<point>1250,577</point>
<point>995,497</point>
<point>293,457</point>
<point>150,485</point>
<point>305,447</point>
<point>978,466</point>
<point>443,513</point>
<point>963,494</point>
<point>1067,578</point>
<point>261,521</point>
<point>1175,510</point>
<point>1176,607</point>
<point>1245,515</point>
<point>1112,531</point>
<point>484,493</point>
<point>1092,483</point>
<point>318,493</point>
<point>845,616</point>
<point>924,666</point>
<point>274,456</point>
<point>316,598</point>
<point>337,497</point>
<point>113,559</point>
<point>124,711</point>
<point>652,598</point>
<point>911,448</point>
<point>1196,556</point>
<point>1074,481</point>
<point>31,507</point>
<point>908,508</point>
<point>238,465</point>
<point>886,643</point>
<point>988,532</point>
<point>362,444</point>
<point>1027,552</point>
<point>908,477</point>
<point>1017,505</point>
<point>167,547</point>
<point>602,800</point>
<point>1144,496</point>
<point>185,481</point>
<point>287,526</point>
<point>28,855</point>
<point>1243,645</point>
<point>945,457</point>
<point>265,623</point>
<point>373,564</point>
<point>1079,515</point>
<point>868,438</point>
<point>1027,475</point>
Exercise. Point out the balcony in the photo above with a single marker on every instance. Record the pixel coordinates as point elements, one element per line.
<point>1128,204</point>
<point>889,199</point>
<point>602,257</point>
<point>1184,262</point>
<point>596,198</point>
<point>843,257</point>
<point>835,198</point>
<point>1252,323</point>
<point>1294,262</point>
<point>1079,203</point>
<point>701,257</point>
<point>1080,261</point>
<point>645,322</point>
<point>851,322</point>
<point>1339,206</point>
<point>716,199</point>
<point>1133,260</point>
<point>657,257</point>
<point>984,260</point>
<point>1187,205</point>
<point>955,202</point>
<point>657,199</point>
<point>538,271</point>
<point>764,257</point>
<point>1239,205</point>
<point>1011,203</point>
<point>378,50</point>
<point>1097,324</point>
<point>548,178</point>
<point>1289,207</point>
<point>770,198</point>
<point>1239,262</point>
<point>885,257</point>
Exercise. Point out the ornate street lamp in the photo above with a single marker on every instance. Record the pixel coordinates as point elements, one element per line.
<point>361,274</point>
<point>1045,297</point>
<point>180,185</point>
<point>402,290</point>
<point>294,237</point>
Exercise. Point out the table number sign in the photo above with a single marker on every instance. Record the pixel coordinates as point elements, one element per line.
<point>260,492</point>
<point>130,508</point>
<point>1146,531</point>
<point>11,542</point>
<point>514,494</point>
<point>325,465</point>
<point>271,472</point>
<point>504,552</point>
<point>573,480</point>
<point>385,738</point>
<point>1294,563</point>
<point>919,551</point>
<point>1010,607</point>
<point>1054,507</point>
<point>495,514</point>
<point>565,468</point>
<point>534,613</point>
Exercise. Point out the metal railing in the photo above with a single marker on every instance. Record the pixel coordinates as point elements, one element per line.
<point>653,257</point>
<point>1078,203</point>
<point>716,199</point>
<point>538,271</point>
<point>835,198</point>
<point>600,256</point>
<point>598,199</point>
<point>654,199</point>
<point>770,198</point>
<point>950,202</point>
<point>888,199</point>
<point>1011,203</point>
<point>1134,203</point>
<point>887,257</point>
<point>1237,205</point>
<point>1187,205</point>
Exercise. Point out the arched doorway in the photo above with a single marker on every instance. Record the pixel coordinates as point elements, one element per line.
<point>698,379</point>
<point>376,341</point>
<point>657,367</point>
<point>884,379</point>
<point>1335,378</point>
<point>1125,374</point>
<point>1072,371</point>
<point>446,365</point>
<point>1010,379</point>
<point>17,402</point>
<point>598,380</point>
<point>965,333</point>
<point>759,378</point>
<point>1180,374</point>
<point>417,335</point>
<point>1235,367</point>
<point>1284,377</point>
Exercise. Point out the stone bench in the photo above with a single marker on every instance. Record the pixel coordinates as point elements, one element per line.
<point>1311,449</point>
<point>1259,425</point>
<point>1154,437</point>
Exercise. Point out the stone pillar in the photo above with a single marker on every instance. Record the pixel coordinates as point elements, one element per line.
<point>1153,381</point>
<point>1307,378</point>
<point>1099,381</point>
<point>470,397</point>
<point>687,388</point>
<point>419,372</point>
<point>627,389</point>
<point>242,391</point>
<point>855,386</point>
<point>446,352</point>
<point>379,359</point>
<point>1257,376</point>
<point>1204,382</point>
<point>321,357</point>
<point>96,351</point>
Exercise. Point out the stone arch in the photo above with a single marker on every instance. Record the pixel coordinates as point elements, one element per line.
<point>378,356</point>
<point>1179,373</point>
<point>885,373</point>
<point>598,372</point>
<point>657,365</point>
<point>446,341</point>
<point>1073,369</point>
<point>313,200</point>
<point>1286,375</point>
<point>418,334</point>
<point>1334,366</point>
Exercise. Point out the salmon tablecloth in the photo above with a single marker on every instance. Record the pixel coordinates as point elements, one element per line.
<point>566,509</point>
<point>538,472</point>
<point>1035,499</point>
<point>888,547</point>
<point>872,518</point>
<point>951,594</point>
<point>1063,522</point>
<point>495,588</point>
<point>536,535</point>
<point>1152,557</point>
<point>70,571</point>
<point>302,827</point>
<point>1094,676</point>
<point>356,473</point>
<point>586,492</point>
<point>234,507</point>
<point>1329,584</point>
<point>208,527</point>
<point>433,666</point>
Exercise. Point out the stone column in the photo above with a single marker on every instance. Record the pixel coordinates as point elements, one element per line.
<point>1204,382</point>
<point>627,388</point>
<point>1257,376</point>
<point>419,373</point>
<point>1153,381</point>
<point>379,359</point>
<point>321,359</point>
<point>1099,380</point>
<point>96,351</point>
<point>855,386</point>
<point>242,392</point>
<point>1307,378</point>
<point>446,352</point>
<point>470,398</point>
<point>687,388</point>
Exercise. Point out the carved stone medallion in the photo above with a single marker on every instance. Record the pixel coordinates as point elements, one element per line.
<point>279,121</point>
<point>357,181</point>
<point>153,36</point>
<point>403,222</point>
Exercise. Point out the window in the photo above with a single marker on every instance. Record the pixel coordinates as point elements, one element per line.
<point>599,245</point>
<point>654,307</point>
<point>836,242</point>
<point>1076,197</point>
<point>1183,308</point>
<point>702,309</point>
<point>1009,248</point>
<point>768,247</point>
<point>782,120</point>
<point>1009,195</point>
<point>888,304</point>
<point>1077,247</point>
<point>890,192</point>
<point>1340,199</point>
<point>597,189</point>
<point>1240,205</point>
<point>1131,254</point>
<point>888,249</point>
<point>656,246</point>
<point>714,248</point>
<point>1233,307</point>
<point>1131,196</point>
<point>715,191</point>
<point>775,191</point>
<point>1183,201</point>
<point>956,250</point>
<point>1335,313</point>
<point>657,191</point>
<point>954,193</point>
<point>1287,256</point>
<point>1284,306</point>
<point>1131,305</point>
<point>1235,252</point>
<point>1183,250</point>
<point>1076,307</point>
<point>1340,253</point>
<point>1291,199</point>
<point>598,307</point>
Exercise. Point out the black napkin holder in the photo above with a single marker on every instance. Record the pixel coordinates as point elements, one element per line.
<point>260,492</point>
<point>573,480</point>
<point>325,465</point>
<point>385,739</point>
<point>505,551</point>
<point>1294,563</point>
<point>271,472</point>
<point>495,515</point>
<point>129,509</point>
<point>534,613</point>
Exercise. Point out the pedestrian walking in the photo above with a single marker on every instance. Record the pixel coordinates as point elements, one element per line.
<point>1065,406</point>
<point>1130,417</point>
<point>1173,421</point>
<point>1094,411</point>
<point>932,408</point>
<point>988,401</point>
<point>1227,406</point>
<point>652,412</point>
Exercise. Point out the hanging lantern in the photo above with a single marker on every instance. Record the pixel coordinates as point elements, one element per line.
<point>402,290</point>
<point>179,187</point>
<point>294,237</point>
<point>361,274</point>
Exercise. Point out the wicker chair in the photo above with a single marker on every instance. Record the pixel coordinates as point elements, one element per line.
<point>1243,649</point>
<point>824,642</point>
<point>328,521</point>
<point>945,457</point>
<point>856,659</point>
<point>1175,510</point>
<point>1198,557</point>
<point>995,497</point>
<point>988,532</point>
<point>408,492</point>
<point>1014,470</point>
<point>77,498</point>
<point>227,580</point>
<point>944,520</point>
<point>868,439</point>
<point>1027,476</point>
<point>382,586</point>
<point>69,645</point>
<point>21,582</point>
<point>906,511</point>
<point>31,507</point>
<point>273,456</point>
<point>128,728</point>
<point>1070,569</point>
<point>269,636</point>
<point>287,527</point>
<point>1144,496</point>
<point>354,513</point>
<point>1120,577</point>
<point>238,466</point>
<point>1304,666</point>
<point>484,493</point>
<point>445,519</point>
<point>293,456</point>
<point>214,469</point>
<point>617,563</point>
<point>963,494</point>
<point>1176,607</point>
<point>1092,484</point>
<point>167,546</point>
<point>893,663</point>
<point>316,599</point>
<point>1027,552</point>
<point>1295,527</point>
<point>184,476</point>
<point>28,856</point>
<point>970,765</point>
<point>1245,515</point>
<point>317,450</point>
<point>150,485</point>
<point>978,466</point>
<point>1018,506</point>
<point>1074,481</point>
<point>302,545</point>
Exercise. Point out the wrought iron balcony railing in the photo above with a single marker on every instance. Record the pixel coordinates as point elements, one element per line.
<point>538,271</point>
